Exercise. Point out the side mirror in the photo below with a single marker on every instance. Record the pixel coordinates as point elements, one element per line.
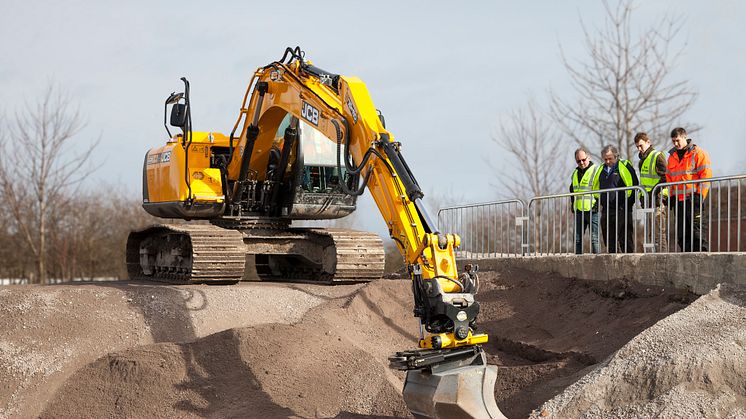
<point>179,115</point>
<point>180,111</point>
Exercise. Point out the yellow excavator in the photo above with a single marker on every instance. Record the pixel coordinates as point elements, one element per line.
<point>306,143</point>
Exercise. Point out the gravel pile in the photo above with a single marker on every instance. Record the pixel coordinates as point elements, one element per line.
<point>691,364</point>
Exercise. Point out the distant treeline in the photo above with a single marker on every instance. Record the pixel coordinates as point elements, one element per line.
<point>85,237</point>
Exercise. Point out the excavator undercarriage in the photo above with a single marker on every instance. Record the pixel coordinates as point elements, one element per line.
<point>252,250</point>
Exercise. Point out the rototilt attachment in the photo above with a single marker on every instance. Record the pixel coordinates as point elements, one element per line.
<point>448,383</point>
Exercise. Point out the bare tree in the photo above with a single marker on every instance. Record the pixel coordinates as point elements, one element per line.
<point>88,239</point>
<point>40,169</point>
<point>625,86</point>
<point>533,145</point>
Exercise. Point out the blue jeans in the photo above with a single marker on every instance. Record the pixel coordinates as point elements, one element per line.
<point>583,219</point>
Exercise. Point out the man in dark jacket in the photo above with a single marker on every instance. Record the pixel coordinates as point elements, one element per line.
<point>617,223</point>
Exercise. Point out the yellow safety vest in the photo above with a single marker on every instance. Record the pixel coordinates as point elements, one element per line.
<point>625,175</point>
<point>649,177</point>
<point>588,183</point>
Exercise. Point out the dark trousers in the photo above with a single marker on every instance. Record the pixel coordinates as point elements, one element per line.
<point>618,230</point>
<point>689,226</point>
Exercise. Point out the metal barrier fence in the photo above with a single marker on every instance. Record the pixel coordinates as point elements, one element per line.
<point>551,224</point>
<point>557,225</point>
<point>692,224</point>
<point>489,229</point>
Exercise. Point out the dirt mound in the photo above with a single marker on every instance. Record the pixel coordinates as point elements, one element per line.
<point>546,331</point>
<point>237,373</point>
<point>691,364</point>
<point>47,333</point>
<point>292,350</point>
<point>332,364</point>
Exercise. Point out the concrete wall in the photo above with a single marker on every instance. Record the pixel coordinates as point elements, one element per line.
<point>697,272</point>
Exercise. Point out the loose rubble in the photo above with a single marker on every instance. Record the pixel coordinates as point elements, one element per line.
<point>303,350</point>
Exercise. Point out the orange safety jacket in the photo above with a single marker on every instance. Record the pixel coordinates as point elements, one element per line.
<point>694,165</point>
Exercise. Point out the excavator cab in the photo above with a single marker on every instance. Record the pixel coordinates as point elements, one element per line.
<point>318,192</point>
<point>187,177</point>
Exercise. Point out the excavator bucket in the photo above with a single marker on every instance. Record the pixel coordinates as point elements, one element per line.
<point>462,393</point>
<point>448,391</point>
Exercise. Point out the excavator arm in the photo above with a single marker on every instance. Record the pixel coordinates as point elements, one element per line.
<point>341,108</point>
<point>448,375</point>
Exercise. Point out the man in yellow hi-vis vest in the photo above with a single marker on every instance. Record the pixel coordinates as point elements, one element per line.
<point>652,168</point>
<point>585,207</point>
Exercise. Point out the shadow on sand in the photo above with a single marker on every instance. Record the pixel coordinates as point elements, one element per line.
<point>218,382</point>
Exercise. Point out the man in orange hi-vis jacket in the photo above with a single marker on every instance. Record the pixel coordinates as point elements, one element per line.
<point>687,161</point>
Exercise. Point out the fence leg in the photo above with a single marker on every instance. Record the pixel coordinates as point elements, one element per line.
<point>522,222</point>
<point>648,219</point>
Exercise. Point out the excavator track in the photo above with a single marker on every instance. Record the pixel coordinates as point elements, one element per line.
<point>186,253</point>
<point>314,255</point>
<point>204,253</point>
<point>359,254</point>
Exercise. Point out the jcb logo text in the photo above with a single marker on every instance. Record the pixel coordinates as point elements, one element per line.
<point>310,113</point>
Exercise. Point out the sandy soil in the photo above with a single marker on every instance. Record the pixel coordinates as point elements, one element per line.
<point>291,350</point>
<point>47,333</point>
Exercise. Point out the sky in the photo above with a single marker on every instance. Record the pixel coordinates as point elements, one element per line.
<point>442,73</point>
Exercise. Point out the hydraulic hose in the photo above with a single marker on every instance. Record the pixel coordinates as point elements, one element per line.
<point>349,165</point>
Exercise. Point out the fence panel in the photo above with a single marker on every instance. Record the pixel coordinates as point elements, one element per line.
<point>703,215</point>
<point>487,230</point>
<point>550,225</point>
<point>615,222</point>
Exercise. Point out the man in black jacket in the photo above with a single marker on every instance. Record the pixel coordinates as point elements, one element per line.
<point>617,223</point>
